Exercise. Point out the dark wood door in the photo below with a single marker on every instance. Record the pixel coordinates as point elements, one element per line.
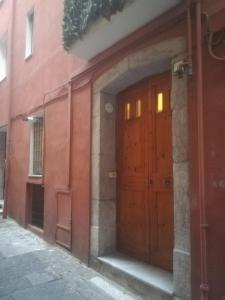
<point>145,180</point>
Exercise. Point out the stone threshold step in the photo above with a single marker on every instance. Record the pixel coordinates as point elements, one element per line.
<point>141,277</point>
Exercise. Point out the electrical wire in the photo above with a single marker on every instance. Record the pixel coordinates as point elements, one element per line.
<point>211,41</point>
<point>210,48</point>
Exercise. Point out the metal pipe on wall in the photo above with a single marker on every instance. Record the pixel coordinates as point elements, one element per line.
<point>69,134</point>
<point>204,287</point>
<point>189,33</point>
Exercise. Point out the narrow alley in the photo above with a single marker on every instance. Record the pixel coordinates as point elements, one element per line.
<point>31,269</point>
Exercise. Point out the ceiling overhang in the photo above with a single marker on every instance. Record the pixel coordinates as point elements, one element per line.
<point>105,33</point>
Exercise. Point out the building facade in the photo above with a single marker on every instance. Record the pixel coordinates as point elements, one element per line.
<point>113,148</point>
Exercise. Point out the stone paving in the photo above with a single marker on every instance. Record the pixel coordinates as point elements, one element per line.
<point>31,269</point>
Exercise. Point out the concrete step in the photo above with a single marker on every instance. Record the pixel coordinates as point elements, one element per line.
<point>140,278</point>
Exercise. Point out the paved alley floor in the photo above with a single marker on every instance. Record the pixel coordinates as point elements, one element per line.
<point>31,269</point>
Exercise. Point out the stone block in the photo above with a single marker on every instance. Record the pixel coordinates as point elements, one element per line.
<point>182,221</point>
<point>179,92</point>
<point>95,212</point>
<point>94,241</point>
<point>95,176</point>
<point>95,135</point>
<point>181,178</point>
<point>108,125</point>
<point>107,185</point>
<point>158,52</point>
<point>110,75</point>
<point>96,105</point>
<point>182,275</point>
<point>180,135</point>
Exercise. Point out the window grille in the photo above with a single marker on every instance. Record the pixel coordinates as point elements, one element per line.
<point>38,146</point>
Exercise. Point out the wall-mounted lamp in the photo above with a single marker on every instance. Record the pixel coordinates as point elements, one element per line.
<point>30,119</point>
<point>181,68</point>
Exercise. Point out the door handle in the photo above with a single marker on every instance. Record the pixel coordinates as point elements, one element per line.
<point>167,181</point>
<point>150,181</point>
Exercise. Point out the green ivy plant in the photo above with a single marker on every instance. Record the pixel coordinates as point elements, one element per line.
<point>80,14</point>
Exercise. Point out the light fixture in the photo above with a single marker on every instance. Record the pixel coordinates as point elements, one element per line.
<point>181,68</point>
<point>30,119</point>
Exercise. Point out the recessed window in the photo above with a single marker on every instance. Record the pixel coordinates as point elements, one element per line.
<point>138,108</point>
<point>29,34</point>
<point>160,103</point>
<point>36,147</point>
<point>3,58</point>
<point>127,111</point>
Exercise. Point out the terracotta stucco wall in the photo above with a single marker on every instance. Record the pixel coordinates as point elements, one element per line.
<point>33,82</point>
<point>49,67</point>
<point>214,132</point>
<point>5,28</point>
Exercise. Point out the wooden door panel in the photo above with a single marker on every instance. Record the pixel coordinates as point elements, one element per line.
<point>162,176</point>
<point>133,174</point>
<point>162,231</point>
<point>145,179</point>
<point>133,238</point>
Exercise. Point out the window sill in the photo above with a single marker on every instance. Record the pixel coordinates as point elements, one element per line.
<point>35,176</point>
<point>28,57</point>
<point>35,179</point>
<point>3,79</point>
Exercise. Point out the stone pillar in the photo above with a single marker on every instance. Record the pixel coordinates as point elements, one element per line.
<point>2,162</point>
<point>181,259</point>
<point>103,182</point>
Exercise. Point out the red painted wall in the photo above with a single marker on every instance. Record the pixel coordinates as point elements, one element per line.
<point>49,67</point>
<point>5,28</point>
<point>33,82</point>
<point>214,131</point>
<point>214,108</point>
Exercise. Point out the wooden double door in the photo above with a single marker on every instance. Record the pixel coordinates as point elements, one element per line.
<point>145,174</point>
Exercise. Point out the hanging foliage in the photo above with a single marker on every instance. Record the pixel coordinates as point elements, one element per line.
<point>79,14</point>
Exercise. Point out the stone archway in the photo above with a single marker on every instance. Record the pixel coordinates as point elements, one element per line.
<point>152,60</point>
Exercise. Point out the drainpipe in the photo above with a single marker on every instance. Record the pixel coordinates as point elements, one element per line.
<point>69,134</point>
<point>204,287</point>
<point>11,37</point>
<point>189,35</point>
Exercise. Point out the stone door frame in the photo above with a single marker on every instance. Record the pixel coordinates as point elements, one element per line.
<point>152,60</point>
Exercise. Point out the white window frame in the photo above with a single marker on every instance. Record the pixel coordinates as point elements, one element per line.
<point>3,57</point>
<point>31,161</point>
<point>29,34</point>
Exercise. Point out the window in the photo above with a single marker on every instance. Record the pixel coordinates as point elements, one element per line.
<point>138,108</point>
<point>160,103</point>
<point>3,58</point>
<point>29,34</point>
<point>127,111</point>
<point>36,147</point>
